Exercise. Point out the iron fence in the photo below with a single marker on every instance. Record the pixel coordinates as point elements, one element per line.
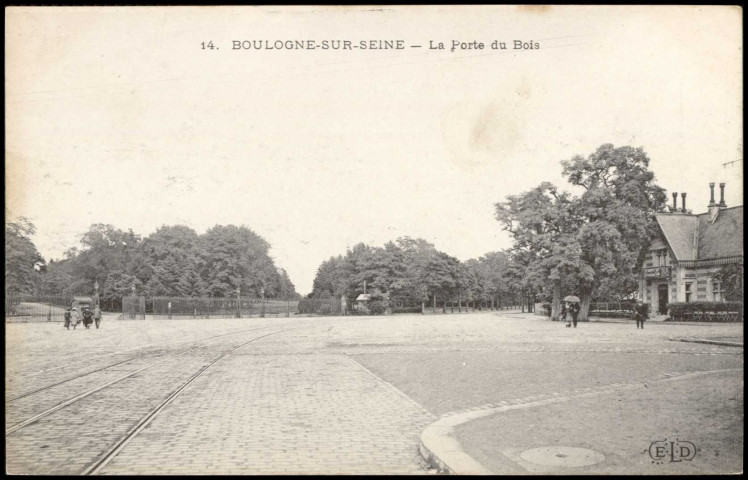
<point>207,307</point>
<point>133,308</point>
<point>35,308</point>
<point>321,306</point>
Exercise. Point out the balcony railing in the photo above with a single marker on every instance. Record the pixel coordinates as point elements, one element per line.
<point>662,271</point>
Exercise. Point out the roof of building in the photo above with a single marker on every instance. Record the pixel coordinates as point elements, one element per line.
<point>724,237</point>
<point>364,296</point>
<point>679,233</point>
<point>696,237</point>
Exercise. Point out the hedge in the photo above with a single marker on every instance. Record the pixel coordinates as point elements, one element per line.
<point>612,313</point>
<point>680,310</point>
<point>406,309</point>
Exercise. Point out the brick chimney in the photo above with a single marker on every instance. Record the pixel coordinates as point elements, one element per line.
<point>675,202</point>
<point>722,203</point>
<point>714,208</point>
<point>683,198</point>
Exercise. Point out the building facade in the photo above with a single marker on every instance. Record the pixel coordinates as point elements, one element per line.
<point>682,262</point>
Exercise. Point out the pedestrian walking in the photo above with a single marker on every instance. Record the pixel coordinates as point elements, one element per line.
<point>76,318</point>
<point>97,316</point>
<point>565,314</point>
<point>68,318</point>
<point>87,317</point>
<point>641,313</point>
<point>574,309</point>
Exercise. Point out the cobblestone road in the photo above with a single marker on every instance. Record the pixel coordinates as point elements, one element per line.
<point>283,414</point>
<point>297,401</point>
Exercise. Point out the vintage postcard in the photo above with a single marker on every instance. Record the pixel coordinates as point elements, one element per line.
<point>374,240</point>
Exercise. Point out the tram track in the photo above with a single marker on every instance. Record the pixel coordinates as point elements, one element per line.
<point>122,352</point>
<point>104,459</point>
<point>63,404</point>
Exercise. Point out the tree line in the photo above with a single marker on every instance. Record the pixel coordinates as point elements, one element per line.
<point>590,245</point>
<point>173,261</point>
<point>411,271</point>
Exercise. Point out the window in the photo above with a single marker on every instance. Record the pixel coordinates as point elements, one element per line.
<point>689,292</point>
<point>661,258</point>
<point>717,291</point>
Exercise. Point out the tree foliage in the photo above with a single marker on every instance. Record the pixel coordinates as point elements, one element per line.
<point>618,206</point>
<point>592,244</point>
<point>172,261</point>
<point>543,223</point>
<point>22,260</point>
<point>731,277</point>
<point>410,271</point>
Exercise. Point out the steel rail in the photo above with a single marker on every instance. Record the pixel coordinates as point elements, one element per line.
<point>104,459</point>
<point>87,393</point>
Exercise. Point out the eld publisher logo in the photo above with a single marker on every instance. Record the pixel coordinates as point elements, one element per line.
<point>662,451</point>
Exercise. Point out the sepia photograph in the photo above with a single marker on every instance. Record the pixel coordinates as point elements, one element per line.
<point>374,240</point>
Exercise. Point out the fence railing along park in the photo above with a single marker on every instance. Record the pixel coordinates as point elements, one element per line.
<point>45,308</point>
<point>35,308</point>
<point>206,307</point>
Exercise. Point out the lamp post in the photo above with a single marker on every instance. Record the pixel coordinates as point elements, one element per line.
<point>239,301</point>
<point>96,293</point>
<point>132,302</point>
<point>262,302</point>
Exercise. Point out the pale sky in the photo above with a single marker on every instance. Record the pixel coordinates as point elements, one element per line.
<point>116,115</point>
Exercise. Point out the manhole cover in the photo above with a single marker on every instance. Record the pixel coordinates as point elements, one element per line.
<point>562,456</point>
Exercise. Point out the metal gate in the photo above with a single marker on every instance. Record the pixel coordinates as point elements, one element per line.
<point>133,308</point>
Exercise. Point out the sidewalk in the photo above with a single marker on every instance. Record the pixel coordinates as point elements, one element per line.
<point>611,432</point>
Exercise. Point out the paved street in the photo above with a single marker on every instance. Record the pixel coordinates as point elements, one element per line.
<point>340,395</point>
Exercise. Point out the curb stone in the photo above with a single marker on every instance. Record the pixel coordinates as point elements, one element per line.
<point>441,449</point>
<point>709,342</point>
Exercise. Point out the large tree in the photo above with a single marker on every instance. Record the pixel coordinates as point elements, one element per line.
<point>173,253</point>
<point>236,257</point>
<point>543,223</point>
<point>22,260</point>
<point>441,276</point>
<point>417,255</point>
<point>329,280</point>
<point>596,241</point>
<point>106,249</point>
<point>493,275</point>
<point>617,208</point>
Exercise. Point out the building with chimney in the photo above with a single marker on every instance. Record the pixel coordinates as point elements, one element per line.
<point>681,263</point>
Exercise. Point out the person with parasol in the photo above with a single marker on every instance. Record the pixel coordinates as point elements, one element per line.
<point>571,308</point>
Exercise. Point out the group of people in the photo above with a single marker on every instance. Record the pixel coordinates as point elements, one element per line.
<point>86,315</point>
<point>570,312</point>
